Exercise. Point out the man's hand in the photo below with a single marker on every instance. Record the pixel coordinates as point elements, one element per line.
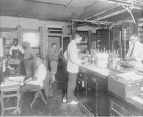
<point>128,58</point>
<point>26,81</point>
<point>85,60</point>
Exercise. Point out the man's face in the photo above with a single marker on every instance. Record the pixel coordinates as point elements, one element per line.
<point>54,46</point>
<point>15,42</point>
<point>78,40</point>
<point>133,39</point>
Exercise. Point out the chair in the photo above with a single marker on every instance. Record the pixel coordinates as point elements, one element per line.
<point>6,93</point>
<point>38,94</point>
<point>47,90</point>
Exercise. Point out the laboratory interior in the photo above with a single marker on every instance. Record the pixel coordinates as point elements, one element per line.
<point>71,58</point>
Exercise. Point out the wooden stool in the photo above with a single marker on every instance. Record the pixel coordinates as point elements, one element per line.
<point>37,94</point>
<point>4,94</point>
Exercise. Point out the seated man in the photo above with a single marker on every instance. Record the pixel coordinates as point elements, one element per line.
<point>37,80</point>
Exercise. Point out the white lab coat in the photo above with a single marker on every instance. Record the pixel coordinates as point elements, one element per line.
<point>71,56</point>
<point>138,54</point>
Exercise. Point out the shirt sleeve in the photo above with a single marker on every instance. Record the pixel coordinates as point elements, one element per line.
<point>65,55</point>
<point>32,52</point>
<point>40,77</point>
<point>73,55</point>
<point>10,50</point>
<point>21,49</point>
<point>53,53</point>
<point>140,57</point>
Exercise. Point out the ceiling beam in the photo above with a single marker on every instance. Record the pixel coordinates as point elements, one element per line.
<point>102,11</point>
<point>53,3</point>
<point>136,5</point>
<point>90,5</point>
<point>110,15</point>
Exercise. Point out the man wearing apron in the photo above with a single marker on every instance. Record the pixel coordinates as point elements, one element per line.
<point>16,52</point>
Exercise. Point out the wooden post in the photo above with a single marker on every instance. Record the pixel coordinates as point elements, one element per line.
<point>19,34</point>
<point>43,37</point>
<point>89,40</point>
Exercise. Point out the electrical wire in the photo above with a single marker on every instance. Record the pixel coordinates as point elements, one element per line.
<point>129,9</point>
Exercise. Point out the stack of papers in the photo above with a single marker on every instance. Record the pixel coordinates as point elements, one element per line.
<point>130,76</point>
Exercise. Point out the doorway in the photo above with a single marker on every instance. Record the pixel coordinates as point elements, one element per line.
<point>65,41</point>
<point>49,41</point>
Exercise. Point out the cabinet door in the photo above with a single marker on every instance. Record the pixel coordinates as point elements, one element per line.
<point>102,100</point>
<point>80,88</point>
<point>116,109</point>
<point>91,94</point>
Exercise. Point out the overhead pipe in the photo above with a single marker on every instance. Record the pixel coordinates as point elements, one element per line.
<point>69,3</point>
<point>113,14</point>
<point>65,5</point>
<point>90,5</point>
<point>94,22</point>
<point>126,2</point>
<point>134,7</point>
<point>102,11</point>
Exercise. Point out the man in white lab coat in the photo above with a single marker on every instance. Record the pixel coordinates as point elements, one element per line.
<point>73,62</point>
<point>135,52</point>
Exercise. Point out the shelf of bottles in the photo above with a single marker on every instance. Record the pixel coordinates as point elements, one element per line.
<point>103,39</point>
<point>140,28</point>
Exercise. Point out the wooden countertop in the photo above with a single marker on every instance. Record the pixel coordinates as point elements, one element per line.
<point>104,73</point>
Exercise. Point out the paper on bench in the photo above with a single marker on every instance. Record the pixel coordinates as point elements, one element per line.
<point>130,76</point>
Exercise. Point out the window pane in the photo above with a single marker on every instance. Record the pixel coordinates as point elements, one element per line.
<point>33,38</point>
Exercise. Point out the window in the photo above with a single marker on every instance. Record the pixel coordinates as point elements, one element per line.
<point>33,38</point>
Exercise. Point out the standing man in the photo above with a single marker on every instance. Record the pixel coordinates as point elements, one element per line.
<point>29,55</point>
<point>16,51</point>
<point>73,62</point>
<point>135,52</point>
<point>54,60</point>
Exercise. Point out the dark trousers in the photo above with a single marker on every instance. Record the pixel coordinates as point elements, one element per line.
<point>71,86</point>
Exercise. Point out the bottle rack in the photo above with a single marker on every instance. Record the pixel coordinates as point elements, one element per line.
<point>140,28</point>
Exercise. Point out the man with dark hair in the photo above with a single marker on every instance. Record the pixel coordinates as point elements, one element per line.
<point>36,81</point>
<point>135,52</point>
<point>54,60</point>
<point>73,62</point>
<point>16,50</point>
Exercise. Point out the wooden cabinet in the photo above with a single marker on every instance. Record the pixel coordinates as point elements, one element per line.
<point>123,107</point>
<point>90,93</point>
<point>102,99</point>
<point>81,88</point>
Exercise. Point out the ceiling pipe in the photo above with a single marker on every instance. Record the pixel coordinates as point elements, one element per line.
<point>95,22</point>
<point>119,4</point>
<point>110,15</point>
<point>69,3</point>
<point>53,3</point>
<point>102,11</point>
<point>90,5</point>
<point>126,2</point>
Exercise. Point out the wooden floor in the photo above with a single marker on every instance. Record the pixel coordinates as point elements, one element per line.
<point>55,105</point>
